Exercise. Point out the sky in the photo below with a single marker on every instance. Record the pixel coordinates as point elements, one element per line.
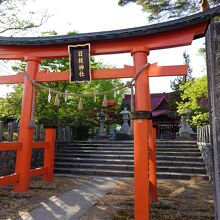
<point>86,16</point>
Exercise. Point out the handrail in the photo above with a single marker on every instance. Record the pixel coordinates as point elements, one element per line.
<point>40,144</point>
<point>15,146</point>
<point>38,171</point>
<point>10,179</point>
<point>9,146</point>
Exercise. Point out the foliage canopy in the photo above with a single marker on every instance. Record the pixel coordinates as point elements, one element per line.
<point>195,92</point>
<point>15,18</point>
<point>167,9</point>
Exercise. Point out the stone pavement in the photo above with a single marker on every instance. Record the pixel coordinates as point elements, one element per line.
<point>74,203</point>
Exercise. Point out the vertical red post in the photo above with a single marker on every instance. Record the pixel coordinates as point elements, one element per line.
<point>153,167</point>
<point>50,137</point>
<point>152,161</point>
<point>23,160</point>
<point>141,167</point>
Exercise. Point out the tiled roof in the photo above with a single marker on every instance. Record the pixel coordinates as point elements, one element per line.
<point>115,34</point>
<point>160,112</point>
<point>156,99</point>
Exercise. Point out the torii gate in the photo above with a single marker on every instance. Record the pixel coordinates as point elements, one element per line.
<point>137,41</point>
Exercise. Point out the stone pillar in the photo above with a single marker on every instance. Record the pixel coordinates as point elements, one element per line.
<point>1,130</point>
<point>213,70</point>
<point>10,132</point>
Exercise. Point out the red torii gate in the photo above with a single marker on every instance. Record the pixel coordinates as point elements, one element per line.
<point>138,42</point>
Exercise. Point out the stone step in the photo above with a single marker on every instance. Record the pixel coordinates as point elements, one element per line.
<point>176,153</point>
<point>175,159</point>
<point>95,155</point>
<point>94,172</point>
<point>100,172</point>
<point>182,149</point>
<point>130,157</point>
<point>93,160</point>
<point>68,149</point>
<point>72,148</point>
<point>129,167</point>
<point>195,170</point>
<point>131,142</point>
<point>120,154</point>
<point>126,162</point>
<point>128,152</point>
<point>180,163</point>
<point>99,144</point>
<point>115,144</point>
<point>179,158</point>
<point>95,166</point>
<point>177,145</point>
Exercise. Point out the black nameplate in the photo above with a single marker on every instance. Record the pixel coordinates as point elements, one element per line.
<point>79,63</point>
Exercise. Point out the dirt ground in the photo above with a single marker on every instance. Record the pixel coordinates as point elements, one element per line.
<point>179,200</point>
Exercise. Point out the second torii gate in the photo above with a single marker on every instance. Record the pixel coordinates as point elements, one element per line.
<point>136,41</point>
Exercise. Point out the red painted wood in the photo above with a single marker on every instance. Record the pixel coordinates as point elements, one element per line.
<point>40,144</point>
<point>38,171</point>
<point>50,137</point>
<point>23,158</point>
<point>181,37</point>
<point>126,72</point>
<point>141,157</point>
<point>10,179</point>
<point>8,146</point>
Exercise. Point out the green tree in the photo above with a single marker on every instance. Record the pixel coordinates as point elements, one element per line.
<point>176,84</point>
<point>15,18</point>
<point>194,92</point>
<point>10,107</point>
<point>166,9</point>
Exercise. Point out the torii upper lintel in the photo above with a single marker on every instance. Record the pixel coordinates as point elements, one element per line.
<point>173,33</point>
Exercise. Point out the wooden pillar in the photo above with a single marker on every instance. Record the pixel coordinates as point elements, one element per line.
<point>23,160</point>
<point>141,168</point>
<point>50,136</point>
<point>153,167</point>
<point>213,70</point>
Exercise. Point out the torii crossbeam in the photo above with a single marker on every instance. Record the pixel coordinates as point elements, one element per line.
<point>136,41</point>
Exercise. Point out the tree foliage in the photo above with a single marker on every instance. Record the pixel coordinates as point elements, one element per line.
<point>194,92</point>
<point>15,18</point>
<point>176,84</point>
<point>166,9</point>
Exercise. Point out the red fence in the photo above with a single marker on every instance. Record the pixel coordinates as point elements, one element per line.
<point>46,171</point>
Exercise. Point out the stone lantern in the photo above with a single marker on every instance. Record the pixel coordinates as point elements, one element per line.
<point>101,117</point>
<point>125,126</point>
<point>185,131</point>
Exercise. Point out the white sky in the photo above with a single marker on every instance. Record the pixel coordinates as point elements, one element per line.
<point>98,15</point>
